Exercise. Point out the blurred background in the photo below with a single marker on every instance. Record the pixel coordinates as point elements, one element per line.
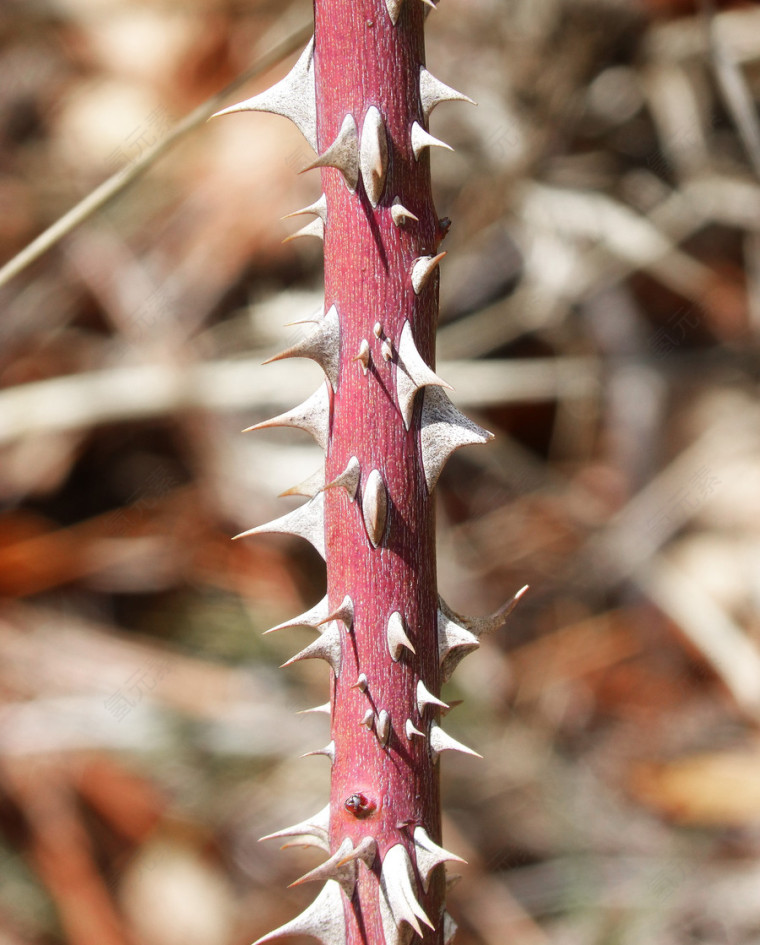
<point>600,314</point>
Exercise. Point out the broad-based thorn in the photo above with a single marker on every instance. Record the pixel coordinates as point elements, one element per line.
<point>342,154</point>
<point>422,269</point>
<point>422,139</point>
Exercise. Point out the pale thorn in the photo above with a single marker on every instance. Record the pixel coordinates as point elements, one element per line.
<point>314,228</point>
<point>396,636</point>
<point>440,741</point>
<point>425,698</point>
<point>310,618</point>
<point>307,522</point>
<point>338,867</point>
<point>450,929</point>
<point>411,730</point>
<point>343,154</point>
<point>373,154</point>
<point>375,507</point>
<point>293,97</point>
<point>422,139</point>
<point>318,208</point>
<point>399,213</point>
<point>383,727</point>
<point>316,826</point>
<point>454,642</point>
<point>327,647</point>
<point>489,624</point>
<point>344,613</point>
<point>412,375</point>
<point>309,487</point>
<point>305,841</point>
<point>387,350</point>
<point>324,709</point>
<point>397,888</point>
<point>348,479</point>
<point>361,683</point>
<point>422,269</point>
<point>394,9</point>
<point>322,345</point>
<point>431,4</point>
<point>428,855</point>
<point>433,92</point>
<point>368,719</point>
<point>363,355</point>
<point>365,850</point>
<point>377,330</point>
<point>443,429</point>
<point>328,751</point>
<point>324,919</point>
<point>313,416</point>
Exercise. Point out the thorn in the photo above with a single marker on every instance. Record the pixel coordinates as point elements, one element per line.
<point>325,709</point>
<point>313,416</point>
<point>344,613</point>
<point>377,330</point>
<point>440,741</point>
<point>375,507</point>
<point>310,618</point>
<point>326,647</point>
<point>309,487</point>
<point>454,642</point>
<point>314,228</point>
<point>323,919</point>
<point>383,727</point>
<point>307,522</point>
<point>373,156</point>
<point>449,929</point>
<point>413,374</point>
<point>394,9</point>
<point>443,430</point>
<point>429,855</point>
<point>318,208</point>
<point>343,154</point>
<point>369,718</point>
<point>425,698</point>
<point>433,92</point>
<point>365,850</point>
<point>491,623</point>
<point>321,345</point>
<point>398,900</point>
<point>363,355</point>
<point>422,139</point>
<point>316,826</point>
<point>411,730</point>
<point>293,97</point>
<point>361,683</point>
<point>430,4</point>
<point>328,750</point>
<point>400,214</point>
<point>422,269</point>
<point>396,636</point>
<point>387,350</point>
<point>348,479</point>
<point>339,867</point>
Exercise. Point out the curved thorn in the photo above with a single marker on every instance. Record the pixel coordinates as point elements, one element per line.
<point>323,919</point>
<point>363,356</point>
<point>361,683</point>
<point>377,329</point>
<point>365,850</point>
<point>313,416</point>
<point>338,868</point>
<point>400,214</point>
<point>422,139</point>
<point>307,522</point>
<point>344,613</point>
<point>373,155</point>
<point>293,97</point>
<point>433,92</point>
<point>316,826</point>
<point>318,208</point>
<point>328,751</point>
<point>411,730</point>
<point>454,642</point>
<point>375,507</point>
<point>327,647</point>
<point>342,154</point>
<point>321,345</point>
<point>425,698</point>
<point>314,228</point>
<point>443,430</point>
<point>368,719</point>
<point>429,855</point>
<point>398,899</point>
<point>310,618</point>
<point>422,269</point>
<point>440,741</point>
<point>489,624</point>
<point>396,636</point>
<point>309,487</point>
<point>413,374</point>
<point>348,479</point>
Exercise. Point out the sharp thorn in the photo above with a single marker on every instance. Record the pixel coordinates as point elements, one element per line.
<point>396,636</point>
<point>313,416</point>
<point>324,709</point>
<point>398,898</point>
<point>413,374</point>
<point>321,345</point>
<point>365,850</point>
<point>373,155</point>
<point>387,350</point>
<point>316,826</point>
<point>368,719</point>
<point>310,618</point>
<point>433,92</point>
<point>361,683</point>
<point>307,522</point>
<point>377,330</point>
<point>429,855</point>
<point>309,487</point>
<point>422,139</point>
<point>399,213</point>
<point>394,9</point>
<point>327,647</point>
<point>344,613</point>
<point>314,228</point>
<point>323,919</point>
<point>328,751</point>
<point>440,742</point>
<point>343,154</point>
<point>426,698</point>
<point>454,642</point>
<point>412,730</point>
<point>422,269</point>
<point>443,430</point>
<point>348,479</point>
<point>363,355</point>
<point>383,727</point>
<point>318,208</point>
<point>339,867</point>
